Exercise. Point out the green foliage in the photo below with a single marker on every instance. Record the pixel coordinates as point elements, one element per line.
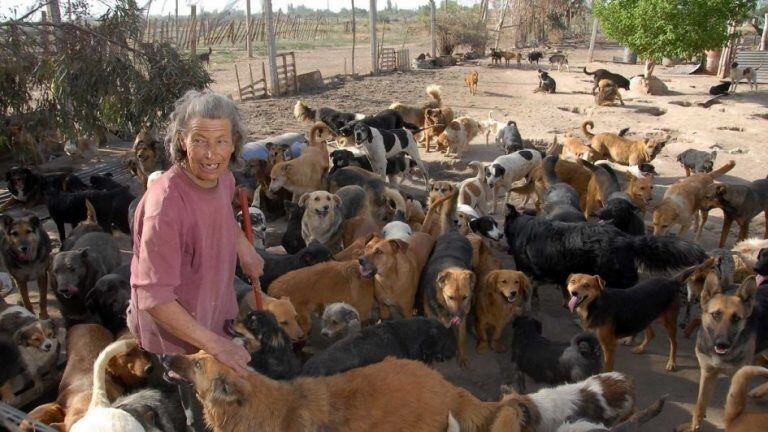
<point>670,28</point>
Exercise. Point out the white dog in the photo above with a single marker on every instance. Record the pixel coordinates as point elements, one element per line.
<point>383,144</point>
<point>397,230</point>
<point>258,225</point>
<point>507,169</point>
<point>491,127</point>
<point>474,191</point>
<point>739,73</point>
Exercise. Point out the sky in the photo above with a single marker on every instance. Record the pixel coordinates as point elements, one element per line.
<point>166,6</point>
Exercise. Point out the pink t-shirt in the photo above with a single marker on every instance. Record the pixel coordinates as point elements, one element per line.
<point>184,251</point>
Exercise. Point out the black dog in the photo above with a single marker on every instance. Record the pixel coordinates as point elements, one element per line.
<point>550,251</point>
<point>416,338</point>
<point>111,209</point>
<point>601,74</point>
<point>618,209</point>
<point>29,188</point>
<point>13,366</point>
<point>561,201</point>
<point>761,267</point>
<point>486,226</point>
<point>387,120</point>
<point>535,56</point>
<point>274,357</point>
<point>334,119</point>
<point>547,84</point>
<point>276,265</point>
<point>292,241</point>
<point>157,411</point>
<point>108,300</point>
<point>551,362</point>
<point>720,89</point>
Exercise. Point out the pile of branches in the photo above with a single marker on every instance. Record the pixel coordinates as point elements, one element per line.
<point>545,20</point>
<point>458,28</point>
<point>85,76</point>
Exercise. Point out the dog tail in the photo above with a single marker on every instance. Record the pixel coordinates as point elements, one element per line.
<point>549,164</point>
<point>434,91</point>
<point>90,212</point>
<point>303,112</point>
<point>722,170</point>
<point>588,73</point>
<point>737,394</point>
<point>438,204</point>
<point>641,417</point>
<point>664,252</point>
<point>99,397</point>
<point>623,132</point>
<point>585,130</point>
<point>480,174</point>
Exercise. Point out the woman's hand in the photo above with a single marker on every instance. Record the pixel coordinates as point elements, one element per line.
<point>230,353</point>
<point>250,261</point>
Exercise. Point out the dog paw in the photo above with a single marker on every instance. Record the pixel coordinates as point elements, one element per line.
<point>627,341</point>
<point>482,348</point>
<point>687,427</point>
<point>499,347</point>
<point>638,350</point>
<point>671,367</point>
<point>463,362</point>
<point>757,393</point>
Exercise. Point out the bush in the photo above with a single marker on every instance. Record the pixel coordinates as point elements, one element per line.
<point>460,28</point>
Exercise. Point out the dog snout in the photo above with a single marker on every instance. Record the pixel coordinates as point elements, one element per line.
<point>47,345</point>
<point>326,333</point>
<point>149,369</point>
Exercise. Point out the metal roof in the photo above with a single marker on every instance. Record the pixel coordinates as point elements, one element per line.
<point>754,59</point>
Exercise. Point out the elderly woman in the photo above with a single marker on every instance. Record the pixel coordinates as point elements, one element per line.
<point>186,242</point>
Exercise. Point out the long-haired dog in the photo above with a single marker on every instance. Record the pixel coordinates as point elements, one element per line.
<point>332,118</point>
<point>457,135</point>
<point>607,93</point>
<point>270,347</point>
<point>501,295</point>
<point>415,113</point>
<point>435,122</point>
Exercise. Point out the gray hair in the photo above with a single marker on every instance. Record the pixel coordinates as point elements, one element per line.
<point>202,104</point>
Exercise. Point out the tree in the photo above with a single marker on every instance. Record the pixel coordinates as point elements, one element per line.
<point>655,29</point>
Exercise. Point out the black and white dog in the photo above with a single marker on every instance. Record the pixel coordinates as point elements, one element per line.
<point>398,167</point>
<point>382,144</point>
<point>388,119</point>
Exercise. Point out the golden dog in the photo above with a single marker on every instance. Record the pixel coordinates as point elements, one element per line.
<point>457,136</point>
<point>622,150</point>
<point>435,122</point>
<point>501,295</point>
<point>414,114</point>
<point>607,93</point>
<point>305,173</point>
<point>470,80</point>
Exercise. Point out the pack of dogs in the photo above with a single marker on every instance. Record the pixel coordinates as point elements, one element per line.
<point>369,285</point>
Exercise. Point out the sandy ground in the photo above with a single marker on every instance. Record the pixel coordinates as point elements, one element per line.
<point>734,126</point>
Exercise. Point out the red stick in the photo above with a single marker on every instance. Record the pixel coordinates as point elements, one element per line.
<point>243,195</point>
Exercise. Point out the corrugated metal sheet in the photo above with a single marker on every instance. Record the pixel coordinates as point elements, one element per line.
<point>754,59</point>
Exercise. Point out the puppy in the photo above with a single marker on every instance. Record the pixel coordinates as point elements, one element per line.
<point>258,225</point>
<point>739,73</point>
<point>561,60</point>
<point>607,93</point>
<point>547,84</point>
<point>415,113</point>
<point>549,362</point>
<point>276,265</point>
<point>474,192</point>
<point>382,144</point>
<point>601,74</point>
<point>457,136</point>
<point>607,398</point>
<point>271,348</point>
<point>697,161</point>
<point>622,150</point>
<point>435,122</point>
<point>501,295</point>
<point>245,403</point>
<point>506,170</point>
<point>26,253</point>
<point>617,313</point>
<point>25,330</point>
<point>306,173</point>
<point>340,320</point>
<point>720,89</point>
<point>683,200</point>
<point>417,338</point>
<point>740,203</point>
<point>470,81</point>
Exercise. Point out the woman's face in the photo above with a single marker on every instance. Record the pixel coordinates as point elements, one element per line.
<point>209,146</point>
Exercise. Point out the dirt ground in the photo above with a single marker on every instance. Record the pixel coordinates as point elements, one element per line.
<point>737,128</point>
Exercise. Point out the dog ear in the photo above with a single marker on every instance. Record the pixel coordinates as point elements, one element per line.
<point>746,293</point>
<point>34,221</point>
<point>226,390</point>
<point>512,211</point>
<point>441,277</point>
<point>492,278</point>
<point>83,252</point>
<point>269,145</point>
<point>6,222</point>
<point>599,282</point>
<point>336,199</point>
<point>399,245</point>
<point>720,190</point>
<point>303,200</point>
<point>711,288</point>
<point>285,168</point>
<point>474,225</point>
<point>472,280</point>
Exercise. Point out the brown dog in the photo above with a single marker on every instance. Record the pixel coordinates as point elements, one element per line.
<point>607,93</point>
<point>435,121</point>
<point>414,214</point>
<point>331,282</point>
<point>470,80</point>
<point>281,308</point>
<point>639,189</point>
<point>740,203</point>
<point>736,420</point>
<point>574,149</point>
<point>306,173</point>
<point>622,150</point>
<point>149,155</point>
<point>457,136</point>
<point>342,402</point>
<point>501,295</point>
<point>414,114</point>
<point>26,252</point>
<point>683,200</point>
<point>440,213</point>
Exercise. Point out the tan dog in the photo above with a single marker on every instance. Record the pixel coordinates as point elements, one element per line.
<point>454,287</point>
<point>607,93</point>
<point>342,402</point>
<point>397,272</point>
<point>435,122</point>
<point>359,227</point>
<point>622,150</point>
<point>574,149</point>
<point>470,80</point>
<point>568,172</point>
<point>440,214</point>
<point>414,214</point>
<point>736,420</point>
<point>414,114</point>
<point>331,282</point>
<point>457,136</point>
<point>474,191</point>
<point>501,295</point>
<point>439,189</point>
<point>305,173</point>
<point>322,219</point>
<point>23,143</point>
<point>682,202</point>
<point>640,190</point>
<point>281,308</point>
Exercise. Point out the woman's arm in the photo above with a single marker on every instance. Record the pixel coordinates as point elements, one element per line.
<point>176,320</point>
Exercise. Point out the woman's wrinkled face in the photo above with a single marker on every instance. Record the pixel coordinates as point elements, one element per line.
<point>209,145</point>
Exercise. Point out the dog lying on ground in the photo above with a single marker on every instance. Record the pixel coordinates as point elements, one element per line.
<point>508,169</point>
<point>414,114</point>
<point>335,120</point>
<point>601,74</point>
<point>381,144</point>
<point>501,295</point>
<point>417,338</point>
<point>740,203</point>
<point>470,81</point>
<point>720,89</point>
<point>607,398</point>
<point>547,84</point>
<point>697,161</point>
<point>618,313</point>
<point>622,150</point>
<point>607,93</point>
<point>339,321</point>
<point>739,73</point>
<point>435,122</point>
<point>734,328</point>
<point>254,402</point>
<point>632,424</point>
<point>551,362</point>
<point>537,244</point>
<point>149,155</point>
<point>270,347</point>
<point>457,135</point>
<point>276,265</point>
<point>305,173</point>
<point>682,203</point>
<point>26,254</point>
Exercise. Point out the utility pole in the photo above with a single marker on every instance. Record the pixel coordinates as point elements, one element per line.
<point>270,29</point>
<point>248,29</point>
<point>432,25</point>
<point>54,12</point>
<point>591,54</point>
<point>193,30</point>
<point>374,51</point>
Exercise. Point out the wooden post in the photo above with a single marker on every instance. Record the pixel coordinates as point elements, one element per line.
<point>271,52</point>
<point>432,25</point>
<point>500,25</point>
<point>726,57</point>
<point>248,29</point>
<point>54,12</point>
<point>237,77</point>
<point>193,30</point>
<point>354,34</point>
<point>374,56</point>
<point>591,53</point>
<point>44,36</point>
<point>176,22</point>
<point>764,38</point>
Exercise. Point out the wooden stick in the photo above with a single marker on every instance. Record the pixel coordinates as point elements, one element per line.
<point>243,195</point>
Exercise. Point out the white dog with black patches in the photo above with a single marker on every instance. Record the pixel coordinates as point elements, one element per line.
<point>383,144</point>
<point>507,169</point>
<point>397,230</point>
<point>258,225</point>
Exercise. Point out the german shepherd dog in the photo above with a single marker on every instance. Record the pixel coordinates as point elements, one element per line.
<point>734,328</point>
<point>26,252</point>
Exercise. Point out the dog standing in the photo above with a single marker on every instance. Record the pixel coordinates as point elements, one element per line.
<point>26,252</point>
<point>501,295</point>
<point>470,80</point>
<point>559,59</point>
<point>697,161</point>
<point>620,149</point>
<point>601,74</point>
<point>458,134</point>
<point>435,122</point>
<point>205,57</point>
<point>382,144</point>
<point>474,191</point>
<point>738,73</point>
<point>506,170</point>
<point>740,203</point>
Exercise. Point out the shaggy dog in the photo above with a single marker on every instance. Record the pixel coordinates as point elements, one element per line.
<point>339,321</point>
<point>608,93</point>
<point>417,338</point>
<point>270,347</point>
<point>550,251</point>
<point>414,114</point>
<point>435,122</point>
<point>457,136</point>
<point>335,120</point>
<point>697,161</point>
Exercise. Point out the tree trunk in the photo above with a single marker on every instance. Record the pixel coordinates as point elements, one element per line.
<point>500,24</point>
<point>764,37</point>
<point>432,25</point>
<point>648,71</point>
<point>354,33</point>
<point>374,51</point>
<point>269,28</point>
